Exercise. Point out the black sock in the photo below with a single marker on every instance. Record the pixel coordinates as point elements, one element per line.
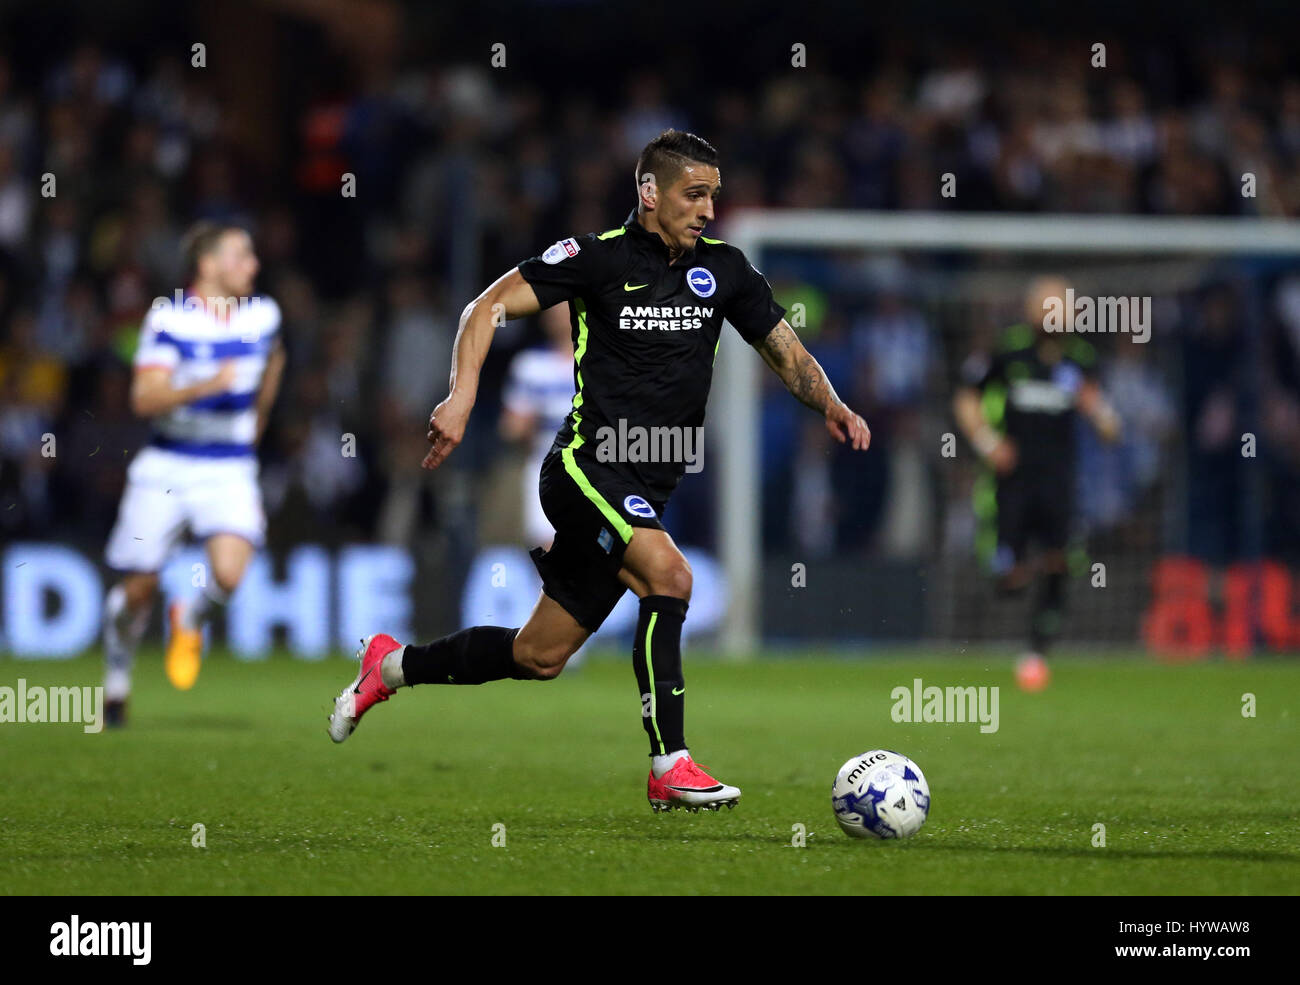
<point>1045,618</point>
<point>472,656</point>
<point>657,660</point>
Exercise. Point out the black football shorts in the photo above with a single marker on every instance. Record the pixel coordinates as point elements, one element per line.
<point>1035,509</point>
<point>594,511</point>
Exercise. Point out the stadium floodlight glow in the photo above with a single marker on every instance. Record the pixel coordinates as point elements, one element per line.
<point>736,421</point>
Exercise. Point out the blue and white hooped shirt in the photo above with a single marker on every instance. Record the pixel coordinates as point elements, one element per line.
<point>193,342</point>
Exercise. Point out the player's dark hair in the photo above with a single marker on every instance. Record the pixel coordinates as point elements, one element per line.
<point>670,152</point>
<point>201,239</point>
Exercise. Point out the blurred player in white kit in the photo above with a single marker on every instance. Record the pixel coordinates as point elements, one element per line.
<point>538,396</point>
<point>205,374</point>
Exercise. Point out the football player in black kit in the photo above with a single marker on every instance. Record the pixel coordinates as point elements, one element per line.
<point>647,301</point>
<point>1017,408</point>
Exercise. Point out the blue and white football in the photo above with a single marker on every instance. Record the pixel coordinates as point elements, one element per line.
<point>880,794</point>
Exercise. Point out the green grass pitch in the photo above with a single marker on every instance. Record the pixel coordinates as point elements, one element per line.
<point>1195,798</point>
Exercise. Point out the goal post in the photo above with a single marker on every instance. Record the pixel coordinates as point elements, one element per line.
<point>735,421</point>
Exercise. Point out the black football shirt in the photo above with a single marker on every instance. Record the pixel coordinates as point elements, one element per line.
<point>646,332</point>
<point>1033,401</point>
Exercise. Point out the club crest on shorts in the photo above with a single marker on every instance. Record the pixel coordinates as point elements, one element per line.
<point>701,281</point>
<point>562,250</point>
<point>637,506</point>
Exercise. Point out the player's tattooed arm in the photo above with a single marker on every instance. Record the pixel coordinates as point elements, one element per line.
<point>510,296</point>
<point>796,367</point>
<point>804,377</point>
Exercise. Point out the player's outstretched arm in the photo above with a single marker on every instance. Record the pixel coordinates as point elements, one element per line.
<point>804,377</point>
<point>510,296</point>
<point>997,450</point>
<point>152,392</point>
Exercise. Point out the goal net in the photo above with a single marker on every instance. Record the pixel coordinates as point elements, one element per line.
<point>1182,533</point>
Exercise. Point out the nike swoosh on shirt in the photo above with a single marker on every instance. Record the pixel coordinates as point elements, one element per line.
<point>633,287</point>
<point>678,690</point>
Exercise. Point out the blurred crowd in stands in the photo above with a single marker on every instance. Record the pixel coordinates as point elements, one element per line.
<point>460,172</point>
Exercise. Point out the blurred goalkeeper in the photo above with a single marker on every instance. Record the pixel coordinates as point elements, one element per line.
<point>647,301</point>
<point>1017,409</point>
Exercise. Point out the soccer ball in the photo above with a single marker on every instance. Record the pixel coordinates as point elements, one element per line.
<point>880,794</point>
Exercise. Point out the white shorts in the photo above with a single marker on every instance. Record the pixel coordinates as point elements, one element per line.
<point>166,492</point>
<point>537,528</point>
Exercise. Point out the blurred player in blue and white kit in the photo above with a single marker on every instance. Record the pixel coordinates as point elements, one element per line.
<point>538,397</point>
<point>206,374</point>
